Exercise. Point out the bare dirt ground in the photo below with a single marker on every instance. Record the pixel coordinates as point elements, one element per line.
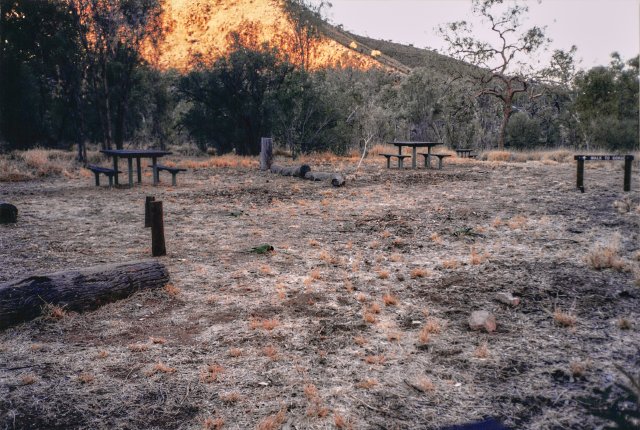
<point>358,319</point>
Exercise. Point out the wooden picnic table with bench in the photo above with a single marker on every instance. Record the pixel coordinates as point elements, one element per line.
<point>414,147</point>
<point>130,154</point>
<point>465,153</point>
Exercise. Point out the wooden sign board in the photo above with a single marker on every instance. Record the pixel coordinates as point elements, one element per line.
<point>603,157</point>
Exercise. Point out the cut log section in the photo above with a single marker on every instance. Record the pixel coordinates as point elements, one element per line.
<point>337,180</point>
<point>298,171</point>
<point>77,290</point>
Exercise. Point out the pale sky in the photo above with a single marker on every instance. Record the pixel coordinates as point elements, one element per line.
<point>596,27</point>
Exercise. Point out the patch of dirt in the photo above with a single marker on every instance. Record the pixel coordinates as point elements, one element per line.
<point>333,321</point>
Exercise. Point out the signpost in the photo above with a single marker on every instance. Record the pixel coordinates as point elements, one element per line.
<point>628,159</point>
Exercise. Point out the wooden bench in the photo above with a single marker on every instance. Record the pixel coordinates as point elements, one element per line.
<point>427,159</point>
<point>110,173</point>
<point>398,156</point>
<point>173,170</point>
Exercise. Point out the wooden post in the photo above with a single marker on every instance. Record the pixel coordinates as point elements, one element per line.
<point>628,160</point>
<point>580,175</point>
<point>266,153</point>
<point>157,229</point>
<point>147,210</point>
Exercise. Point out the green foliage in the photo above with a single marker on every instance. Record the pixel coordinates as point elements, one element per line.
<point>607,104</point>
<point>523,132</point>
<point>233,103</point>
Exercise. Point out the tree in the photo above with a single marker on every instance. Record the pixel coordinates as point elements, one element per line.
<point>233,103</point>
<point>306,19</point>
<point>606,102</point>
<point>500,74</point>
<point>115,32</point>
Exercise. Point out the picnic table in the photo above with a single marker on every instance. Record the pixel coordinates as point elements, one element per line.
<point>138,154</point>
<point>414,147</point>
<point>464,153</point>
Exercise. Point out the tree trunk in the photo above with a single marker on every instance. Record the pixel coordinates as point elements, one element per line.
<point>506,112</point>
<point>77,290</point>
<point>299,171</point>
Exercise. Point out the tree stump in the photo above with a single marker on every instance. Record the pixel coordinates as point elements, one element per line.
<point>8,213</point>
<point>266,153</point>
<point>77,290</point>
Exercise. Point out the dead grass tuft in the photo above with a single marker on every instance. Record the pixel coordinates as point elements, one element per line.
<point>383,274</point>
<point>450,264</point>
<point>53,312</point>
<point>367,384</point>
<point>341,422</point>
<point>624,324</point>
<point>138,347</point>
<point>158,340</point>
<point>172,290</point>
<point>160,367</point>
<point>271,352</point>
<point>564,319</point>
<point>266,324</point>
<point>213,423</point>
<point>517,222</point>
<point>482,351</point>
<point>103,354</point>
<point>231,397</point>
<point>389,299</point>
<point>235,352</point>
<point>605,256</point>
<point>436,238</point>
<point>28,379</point>
<point>578,368</point>
<point>419,273</point>
<point>375,359</point>
<point>211,373</point>
<point>360,341</point>
<point>86,378</point>
<point>425,384</point>
<point>272,422</point>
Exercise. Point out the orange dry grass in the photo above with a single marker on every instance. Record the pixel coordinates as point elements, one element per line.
<point>389,299</point>
<point>222,161</point>
<point>172,290</point>
<point>86,378</point>
<point>272,422</point>
<point>419,273</point>
<point>213,423</point>
<point>160,367</point>
<point>498,156</point>
<point>211,372</point>
<point>367,384</point>
<point>564,319</point>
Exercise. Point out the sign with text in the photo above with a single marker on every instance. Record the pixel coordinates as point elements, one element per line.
<point>603,157</point>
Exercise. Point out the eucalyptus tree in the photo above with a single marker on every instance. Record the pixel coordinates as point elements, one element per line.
<point>504,67</point>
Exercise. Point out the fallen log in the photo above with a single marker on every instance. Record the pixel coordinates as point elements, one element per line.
<point>77,290</point>
<point>298,171</point>
<point>337,180</point>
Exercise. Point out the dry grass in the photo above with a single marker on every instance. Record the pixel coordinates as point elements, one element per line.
<point>222,161</point>
<point>367,384</point>
<point>28,379</point>
<point>482,351</point>
<point>624,324</point>
<point>564,319</point>
<point>172,290</point>
<point>211,373</point>
<point>53,312</point>
<point>86,378</point>
<point>213,423</point>
<point>383,274</point>
<point>272,422</point>
<point>578,368</point>
<point>160,367</point>
<point>450,264</point>
<point>419,272</point>
<point>389,299</point>
<point>606,255</point>
<point>497,156</point>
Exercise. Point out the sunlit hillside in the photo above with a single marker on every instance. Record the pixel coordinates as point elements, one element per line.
<point>199,31</point>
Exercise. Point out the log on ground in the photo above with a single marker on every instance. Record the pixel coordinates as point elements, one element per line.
<point>77,290</point>
<point>337,180</point>
<point>299,171</point>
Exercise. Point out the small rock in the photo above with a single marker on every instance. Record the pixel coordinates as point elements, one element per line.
<point>482,320</point>
<point>507,299</point>
<point>8,213</point>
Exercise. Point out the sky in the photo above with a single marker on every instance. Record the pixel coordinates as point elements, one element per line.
<point>596,27</point>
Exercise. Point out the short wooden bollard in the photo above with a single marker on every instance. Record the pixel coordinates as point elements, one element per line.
<point>628,161</point>
<point>157,229</point>
<point>147,211</point>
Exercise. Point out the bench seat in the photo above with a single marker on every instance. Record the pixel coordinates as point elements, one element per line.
<point>398,156</point>
<point>97,170</point>
<point>427,160</point>
<point>173,170</point>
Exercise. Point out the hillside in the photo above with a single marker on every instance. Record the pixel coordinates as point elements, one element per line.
<point>200,31</point>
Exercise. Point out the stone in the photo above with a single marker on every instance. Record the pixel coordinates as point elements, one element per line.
<point>507,298</point>
<point>482,320</point>
<point>8,213</point>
